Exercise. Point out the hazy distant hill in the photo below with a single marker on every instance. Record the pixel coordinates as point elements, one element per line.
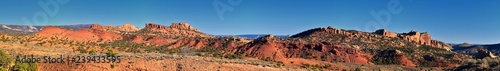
<point>26,29</point>
<point>472,49</point>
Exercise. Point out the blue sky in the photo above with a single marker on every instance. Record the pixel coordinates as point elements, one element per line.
<point>452,21</point>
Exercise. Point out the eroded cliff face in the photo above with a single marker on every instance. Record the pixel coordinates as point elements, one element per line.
<point>351,35</point>
<point>176,29</point>
<point>386,33</point>
<point>117,29</point>
<point>270,47</point>
<point>421,38</point>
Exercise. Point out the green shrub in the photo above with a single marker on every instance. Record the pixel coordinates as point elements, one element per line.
<point>280,63</point>
<point>4,39</point>
<point>209,50</point>
<point>429,48</point>
<point>25,67</point>
<point>233,56</point>
<point>174,50</point>
<point>82,50</point>
<point>266,59</point>
<point>113,65</point>
<point>5,59</point>
<point>386,57</point>
<point>358,69</point>
<point>3,69</point>
<point>307,65</point>
<point>110,52</point>
<point>92,51</point>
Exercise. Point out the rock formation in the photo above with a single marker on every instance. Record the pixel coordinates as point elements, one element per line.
<point>180,26</point>
<point>348,35</point>
<point>319,32</point>
<point>482,53</point>
<point>176,29</point>
<point>124,28</point>
<point>386,33</point>
<point>272,48</point>
<point>414,36</point>
<point>184,26</point>
<point>422,38</point>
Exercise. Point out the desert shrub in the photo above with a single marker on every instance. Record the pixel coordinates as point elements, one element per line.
<point>209,50</point>
<point>25,67</point>
<point>326,66</point>
<point>233,56</point>
<point>280,63</point>
<point>110,53</point>
<point>174,50</point>
<point>306,55</point>
<point>3,69</point>
<point>430,48</point>
<point>485,64</point>
<point>386,57</point>
<point>4,39</point>
<point>113,65</point>
<point>82,50</point>
<point>358,69</point>
<point>93,51</point>
<point>317,66</point>
<point>5,59</point>
<point>266,59</point>
<point>307,65</point>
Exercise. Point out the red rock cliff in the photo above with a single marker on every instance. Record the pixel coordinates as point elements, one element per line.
<point>176,29</point>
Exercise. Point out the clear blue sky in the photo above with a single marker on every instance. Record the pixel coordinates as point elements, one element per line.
<point>452,21</point>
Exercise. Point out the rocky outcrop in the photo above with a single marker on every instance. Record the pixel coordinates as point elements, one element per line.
<point>270,47</point>
<point>124,28</point>
<point>319,32</point>
<point>138,39</point>
<point>183,25</point>
<point>417,37</point>
<point>324,34</point>
<point>421,38</point>
<point>176,29</point>
<point>386,33</point>
<point>482,53</point>
<point>180,26</point>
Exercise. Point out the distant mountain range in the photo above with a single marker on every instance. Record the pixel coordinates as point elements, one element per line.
<point>472,49</point>
<point>26,29</point>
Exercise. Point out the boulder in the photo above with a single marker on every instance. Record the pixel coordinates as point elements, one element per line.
<point>482,53</point>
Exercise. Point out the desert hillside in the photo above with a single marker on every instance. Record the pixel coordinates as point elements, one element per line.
<point>181,46</point>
